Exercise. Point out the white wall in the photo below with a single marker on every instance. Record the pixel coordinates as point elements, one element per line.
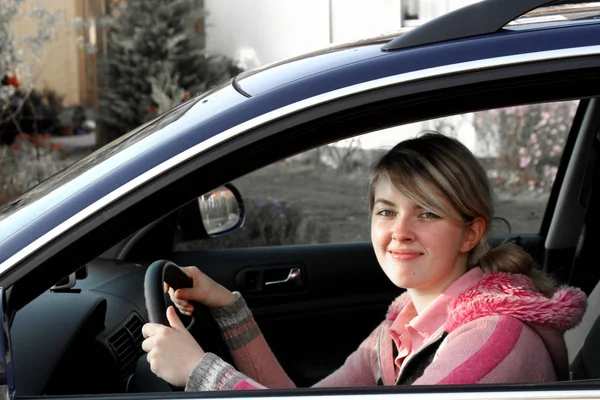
<point>434,8</point>
<point>259,32</point>
<point>357,19</point>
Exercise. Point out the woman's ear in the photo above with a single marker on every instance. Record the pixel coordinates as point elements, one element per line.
<point>473,235</point>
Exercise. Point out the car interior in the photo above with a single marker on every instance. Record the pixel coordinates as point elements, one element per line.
<point>77,310</point>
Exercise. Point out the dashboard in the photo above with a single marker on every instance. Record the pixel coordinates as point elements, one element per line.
<point>86,339</point>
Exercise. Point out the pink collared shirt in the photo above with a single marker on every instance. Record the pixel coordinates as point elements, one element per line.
<point>410,330</point>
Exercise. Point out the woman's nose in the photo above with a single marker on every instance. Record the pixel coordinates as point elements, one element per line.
<point>402,230</point>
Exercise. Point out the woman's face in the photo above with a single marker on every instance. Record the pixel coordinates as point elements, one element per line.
<point>416,248</point>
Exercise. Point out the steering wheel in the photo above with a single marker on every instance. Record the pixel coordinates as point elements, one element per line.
<point>143,380</point>
<point>202,326</point>
<point>158,272</point>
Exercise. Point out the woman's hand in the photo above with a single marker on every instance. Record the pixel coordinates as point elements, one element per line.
<point>204,290</point>
<point>172,351</point>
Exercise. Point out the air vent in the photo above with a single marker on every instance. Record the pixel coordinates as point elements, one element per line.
<point>126,344</point>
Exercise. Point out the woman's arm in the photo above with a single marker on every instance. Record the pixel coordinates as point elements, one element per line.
<point>257,366</point>
<point>248,347</point>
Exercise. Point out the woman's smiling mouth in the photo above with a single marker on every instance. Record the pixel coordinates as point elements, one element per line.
<point>404,255</point>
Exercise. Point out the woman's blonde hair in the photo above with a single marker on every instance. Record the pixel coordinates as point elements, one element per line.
<point>432,168</point>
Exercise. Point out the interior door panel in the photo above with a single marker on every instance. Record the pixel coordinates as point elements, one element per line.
<point>312,326</point>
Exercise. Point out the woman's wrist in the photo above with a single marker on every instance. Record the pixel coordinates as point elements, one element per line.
<point>223,299</point>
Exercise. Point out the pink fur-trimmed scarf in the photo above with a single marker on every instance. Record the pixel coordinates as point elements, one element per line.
<point>514,295</point>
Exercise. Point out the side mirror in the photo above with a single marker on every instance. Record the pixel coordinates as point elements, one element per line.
<point>216,213</point>
<point>220,210</point>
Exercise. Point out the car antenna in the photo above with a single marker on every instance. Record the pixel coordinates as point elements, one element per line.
<point>482,18</point>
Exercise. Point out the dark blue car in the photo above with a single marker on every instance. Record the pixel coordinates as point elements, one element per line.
<point>260,183</point>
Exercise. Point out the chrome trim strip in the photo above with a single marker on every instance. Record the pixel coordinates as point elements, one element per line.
<point>281,112</point>
<point>531,26</point>
<point>455,395</point>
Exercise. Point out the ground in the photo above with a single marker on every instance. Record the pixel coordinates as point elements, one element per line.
<point>339,200</point>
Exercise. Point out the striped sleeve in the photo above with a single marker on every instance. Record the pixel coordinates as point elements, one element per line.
<point>495,349</point>
<point>237,324</point>
<point>257,367</point>
<point>212,373</point>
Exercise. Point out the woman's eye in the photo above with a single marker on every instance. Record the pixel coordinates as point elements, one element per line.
<point>385,213</point>
<point>428,215</point>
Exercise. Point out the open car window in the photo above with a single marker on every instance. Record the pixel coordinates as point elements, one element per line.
<point>319,196</point>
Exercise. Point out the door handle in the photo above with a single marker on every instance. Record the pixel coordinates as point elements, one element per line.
<point>271,279</point>
<point>294,276</point>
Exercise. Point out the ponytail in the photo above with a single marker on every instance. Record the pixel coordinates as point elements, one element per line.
<point>512,259</point>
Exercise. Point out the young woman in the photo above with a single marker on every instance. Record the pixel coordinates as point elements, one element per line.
<point>469,315</point>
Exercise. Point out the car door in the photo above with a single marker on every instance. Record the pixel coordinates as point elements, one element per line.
<point>345,291</point>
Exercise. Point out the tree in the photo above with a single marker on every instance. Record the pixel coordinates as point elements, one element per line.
<point>525,142</point>
<point>155,60</point>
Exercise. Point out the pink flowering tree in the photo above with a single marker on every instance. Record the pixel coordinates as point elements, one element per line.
<point>525,143</point>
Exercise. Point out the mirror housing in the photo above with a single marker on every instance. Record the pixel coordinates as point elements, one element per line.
<point>69,282</point>
<point>216,213</point>
<point>66,283</point>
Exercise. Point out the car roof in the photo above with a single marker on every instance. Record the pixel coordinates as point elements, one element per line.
<point>285,71</point>
<point>251,99</point>
<point>482,20</point>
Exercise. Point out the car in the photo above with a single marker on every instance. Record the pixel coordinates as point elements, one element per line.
<point>218,182</point>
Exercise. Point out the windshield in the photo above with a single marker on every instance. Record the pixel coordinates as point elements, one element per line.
<point>97,157</point>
